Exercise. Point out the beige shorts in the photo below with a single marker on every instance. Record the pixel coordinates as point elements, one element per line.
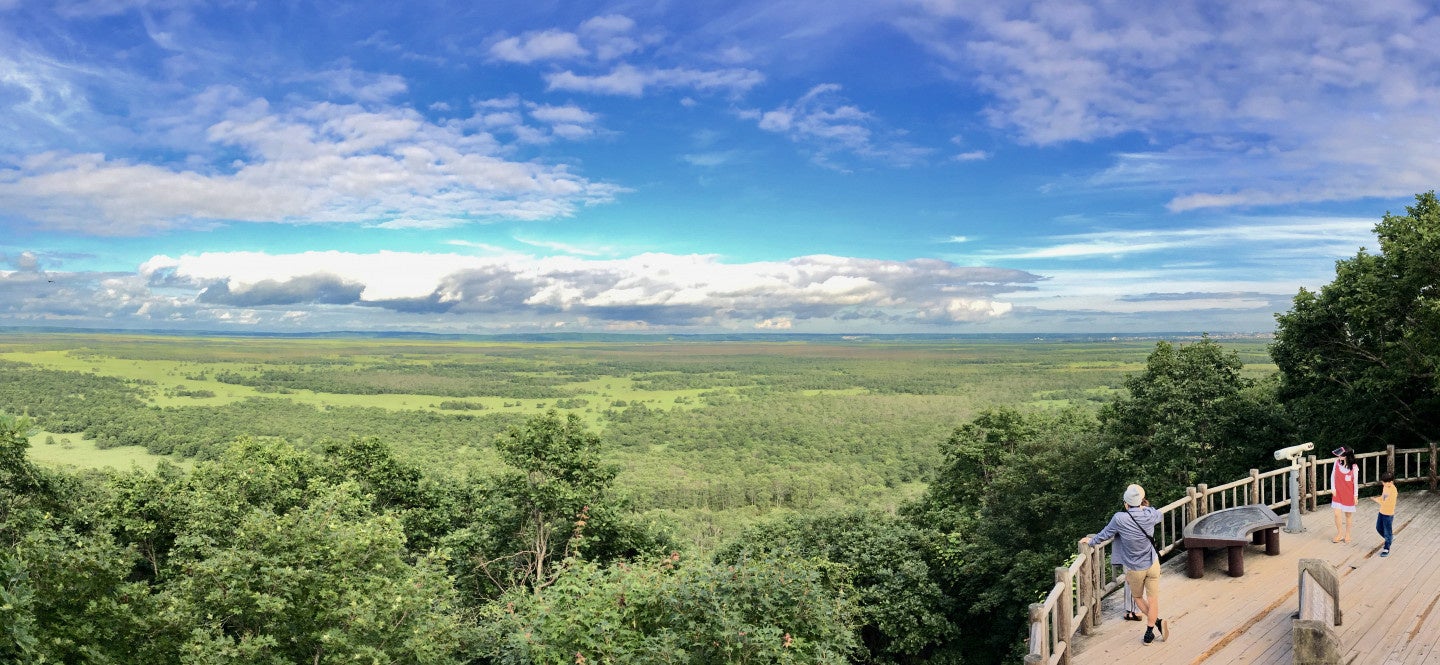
<point>1146,581</point>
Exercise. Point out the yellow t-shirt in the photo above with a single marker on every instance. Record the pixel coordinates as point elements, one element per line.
<point>1387,499</point>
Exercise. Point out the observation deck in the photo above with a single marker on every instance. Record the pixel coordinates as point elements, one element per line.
<point>1391,605</point>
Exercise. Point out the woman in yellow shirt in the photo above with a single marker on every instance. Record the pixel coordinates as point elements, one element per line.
<point>1385,523</point>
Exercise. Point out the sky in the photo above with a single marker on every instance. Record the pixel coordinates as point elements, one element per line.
<point>845,166</point>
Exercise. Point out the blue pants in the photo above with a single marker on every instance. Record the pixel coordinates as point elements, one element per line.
<point>1385,525</point>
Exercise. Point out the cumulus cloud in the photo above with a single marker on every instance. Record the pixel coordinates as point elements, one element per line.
<point>654,291</point>
<point>603,38</point>
<point>611,36</point>
<point>597,51</point>
<point>317,163</point>
<point>533,46</point>
<point>319,289</point>
<point>24,261</point>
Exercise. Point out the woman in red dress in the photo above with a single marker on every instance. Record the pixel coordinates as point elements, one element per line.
<point>1345,481</point>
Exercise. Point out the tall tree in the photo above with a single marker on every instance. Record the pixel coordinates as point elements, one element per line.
<point>777,609</point>
<point>1192,417</point>
<point>1004,511</point>
<point>1358,359</point>
<point>902,614</point>
<point>540,510</point>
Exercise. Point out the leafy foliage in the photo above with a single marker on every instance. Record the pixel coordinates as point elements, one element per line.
<point>1004,512</point>
<point>900,612</point>
<point>1192,417</point>
<point>1358,359</point>
<point>402,535</point>
<point>780,609</point>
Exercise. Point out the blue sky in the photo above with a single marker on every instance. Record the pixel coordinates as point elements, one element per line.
<point>871,166</point>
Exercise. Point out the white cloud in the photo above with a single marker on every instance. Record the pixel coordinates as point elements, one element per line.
<point>1244,236</point>
<point>610,36</point>
<point>567,114</point>
<point>824,121</point>
<point>1323,102</point>
<point>318,163</point>
<point>606,38</point>
<point>608,25</point>
<point>360,85</point>
<point>534,46</point>
<point>710,159</point>
<point>476,245</point>
<point>657,290</point>
<point>563,247</point>
<point>632,81</point>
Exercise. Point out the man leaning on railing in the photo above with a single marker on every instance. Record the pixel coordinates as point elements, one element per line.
<point>1135,550</point>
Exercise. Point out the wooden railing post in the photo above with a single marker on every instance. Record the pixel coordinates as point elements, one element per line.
<point>1039,641</point>
<point>1085,588</point>
<point>1433,477</point>
<point>1097,573</point>
<point>1389,460</point>
<point>1314,488</point>
<point>1204,504</point>
<point>1192,509</point>
<point>1303,487</point>
<point>1064,620</point>
<point>1254,486</point>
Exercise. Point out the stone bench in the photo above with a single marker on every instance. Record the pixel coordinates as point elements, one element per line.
<point>1232,528</point>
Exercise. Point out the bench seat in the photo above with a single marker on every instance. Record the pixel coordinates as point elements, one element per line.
<point>1232,528</point>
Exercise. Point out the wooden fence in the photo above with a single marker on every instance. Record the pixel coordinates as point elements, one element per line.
<point>1073,603</point>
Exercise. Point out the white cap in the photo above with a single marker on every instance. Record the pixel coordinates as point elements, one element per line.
<point>1134,495</point>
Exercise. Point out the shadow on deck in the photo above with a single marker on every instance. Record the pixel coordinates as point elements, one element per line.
<point>1389,604</point>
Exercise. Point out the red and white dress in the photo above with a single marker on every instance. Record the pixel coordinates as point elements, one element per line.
<point>1345,480</point>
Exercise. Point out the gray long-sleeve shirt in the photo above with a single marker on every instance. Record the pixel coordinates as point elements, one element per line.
<point>1132,545</point>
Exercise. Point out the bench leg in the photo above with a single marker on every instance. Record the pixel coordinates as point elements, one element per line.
<point>1272,541</point>
<point>1237,560</point>
<point>1257,538</point>
<point>1195,562</point>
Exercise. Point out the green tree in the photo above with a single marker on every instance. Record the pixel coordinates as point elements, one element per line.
<point>540,507</point>
<point>1004,512</point>
<point>769,609</point>
<point>1192,417</point>
<point>324,581</point>
<point>1358,359</point>
<point>900,612</point>
<point>65,595</point>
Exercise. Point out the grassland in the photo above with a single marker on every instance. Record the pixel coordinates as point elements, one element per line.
<point>71,450</point>
<point>708,433</point>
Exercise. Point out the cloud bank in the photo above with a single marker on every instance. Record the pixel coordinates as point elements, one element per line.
<point>649,291</point>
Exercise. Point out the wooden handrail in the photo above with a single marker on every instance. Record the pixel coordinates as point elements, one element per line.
<point>1073,603</point>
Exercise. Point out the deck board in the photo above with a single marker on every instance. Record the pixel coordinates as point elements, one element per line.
<point>1390,606</point>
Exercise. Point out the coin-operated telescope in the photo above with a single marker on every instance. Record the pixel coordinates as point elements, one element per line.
<point>1294,453</point>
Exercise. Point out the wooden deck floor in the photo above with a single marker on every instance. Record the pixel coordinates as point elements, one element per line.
<point>1390,606</point>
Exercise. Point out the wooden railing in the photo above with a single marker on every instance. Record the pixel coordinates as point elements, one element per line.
<point>1073,603</point>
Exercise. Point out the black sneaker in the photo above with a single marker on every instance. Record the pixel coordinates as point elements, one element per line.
<point>1164,632</point>
<point>1149,636</point>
